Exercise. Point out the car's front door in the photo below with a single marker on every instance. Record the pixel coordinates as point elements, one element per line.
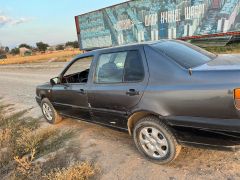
<point>118,84</point>
<point>70,96</point>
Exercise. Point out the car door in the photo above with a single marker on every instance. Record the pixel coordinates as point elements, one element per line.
<point>119,81</point>
<point>69,96</point>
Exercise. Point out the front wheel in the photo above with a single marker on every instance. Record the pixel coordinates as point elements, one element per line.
<point>49,112</point>
<point>155,140</point>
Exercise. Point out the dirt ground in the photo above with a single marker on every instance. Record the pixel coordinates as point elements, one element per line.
<point>113,151</point>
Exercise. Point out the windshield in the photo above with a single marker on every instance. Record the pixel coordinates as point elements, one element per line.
<point>185,54</point>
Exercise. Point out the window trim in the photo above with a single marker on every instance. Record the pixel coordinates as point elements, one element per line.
<point>123,82</point>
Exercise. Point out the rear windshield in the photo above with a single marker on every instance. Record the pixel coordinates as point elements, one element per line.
<point>185,54</point>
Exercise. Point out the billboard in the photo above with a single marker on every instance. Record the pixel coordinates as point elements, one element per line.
<point>149,20</point>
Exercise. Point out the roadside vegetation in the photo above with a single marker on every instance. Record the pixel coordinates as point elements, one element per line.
<point>41,52</point>
<point>56,56</point>
<point>228,49</point>
<point>30,151</point>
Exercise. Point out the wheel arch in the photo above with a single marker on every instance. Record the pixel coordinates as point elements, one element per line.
<point>42,96</point>
<point>136,116</point>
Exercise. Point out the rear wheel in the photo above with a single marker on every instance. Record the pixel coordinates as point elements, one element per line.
<point>49,112</point>
<point>155,140</point>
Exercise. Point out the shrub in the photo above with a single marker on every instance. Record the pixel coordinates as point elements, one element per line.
<point>79,171</point>
<point>23,142</point>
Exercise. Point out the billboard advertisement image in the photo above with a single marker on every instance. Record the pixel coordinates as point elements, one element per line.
<point>149,20</point>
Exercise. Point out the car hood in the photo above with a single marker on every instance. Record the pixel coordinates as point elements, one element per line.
<point>222,62</point>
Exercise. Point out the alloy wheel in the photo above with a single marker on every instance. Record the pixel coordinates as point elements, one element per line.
<point>47,111</point>
<point>153,142</point>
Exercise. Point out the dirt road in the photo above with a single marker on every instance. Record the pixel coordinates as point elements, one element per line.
<point>113,151</point>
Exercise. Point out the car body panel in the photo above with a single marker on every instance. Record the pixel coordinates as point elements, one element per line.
<point>174,91</point>
<point>116,101</point>
<point>76,103</point>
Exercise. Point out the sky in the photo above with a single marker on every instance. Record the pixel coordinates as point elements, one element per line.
<point>50,21</point>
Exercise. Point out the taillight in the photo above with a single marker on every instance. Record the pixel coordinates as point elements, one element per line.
<point>237,94</point>
<point>237,98</point>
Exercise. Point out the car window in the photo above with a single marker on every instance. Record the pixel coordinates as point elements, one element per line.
<point>78,71</point>
<point>110,67</point>
<point>134,70</point>
<point>79,66</point>
<point>119,67</point>
<point>185,54</point>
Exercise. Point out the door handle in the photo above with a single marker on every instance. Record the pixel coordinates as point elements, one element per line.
<point>81,91</point>
<point>132,92</point>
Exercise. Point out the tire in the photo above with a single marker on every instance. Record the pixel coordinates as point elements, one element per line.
<point>155,140</point>
<point>55,117</point>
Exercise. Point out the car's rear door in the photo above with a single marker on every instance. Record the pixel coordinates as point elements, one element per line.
<point>118,83</point>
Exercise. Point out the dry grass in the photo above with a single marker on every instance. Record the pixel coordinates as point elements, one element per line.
<point>25,168</point>
<point>79,171</point>
<point>228,49</point>
<point>23,143</point>
<point>57,56</point>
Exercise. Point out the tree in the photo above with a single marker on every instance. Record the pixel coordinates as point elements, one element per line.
<point>15,51</point>
<point>24,45</point>
<point>73,44</point>
<point>42,46</point>
<point>60,47</point>
<point>7,49</point>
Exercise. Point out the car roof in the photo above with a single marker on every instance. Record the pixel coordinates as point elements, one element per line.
<point>91,53</point>
<point>135,44</point>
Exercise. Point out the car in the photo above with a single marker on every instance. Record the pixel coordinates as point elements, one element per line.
<point>165,94</point>
<point>3,56</point>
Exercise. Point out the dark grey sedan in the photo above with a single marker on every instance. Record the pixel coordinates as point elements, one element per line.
<point>166,94</point>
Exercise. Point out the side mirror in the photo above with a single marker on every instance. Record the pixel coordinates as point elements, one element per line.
<point>54,81</point>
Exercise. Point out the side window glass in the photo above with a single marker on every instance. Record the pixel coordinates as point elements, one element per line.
<point>110,68</point>
<point>78,71</point>
<point>134,70</point>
